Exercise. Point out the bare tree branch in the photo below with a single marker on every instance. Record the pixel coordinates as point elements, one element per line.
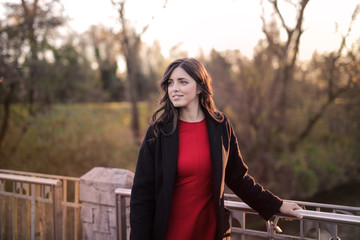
<point>268,36</point>
<point>353,18</point>
<point>287,59</point>
<point>333,94</point>
<point>276,8</point>
<point>131,41</point>
<point>298,30</point>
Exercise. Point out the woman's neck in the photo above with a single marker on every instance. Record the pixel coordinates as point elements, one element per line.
<point>191,116</point>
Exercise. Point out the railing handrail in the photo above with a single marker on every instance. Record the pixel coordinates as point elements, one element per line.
<point>309,204</point>
<point>123,191</point>
<point>32,174</point>
<point>307,214</point>
<point>26,179</point>
<point>329,206</point>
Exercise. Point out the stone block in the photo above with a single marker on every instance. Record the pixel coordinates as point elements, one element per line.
<point>98,213</point>
<point>96,184</point>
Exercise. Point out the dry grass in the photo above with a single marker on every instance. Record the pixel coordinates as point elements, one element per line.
<point>72,139</point>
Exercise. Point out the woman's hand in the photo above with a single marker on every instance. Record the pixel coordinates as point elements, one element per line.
<point>288,209</point>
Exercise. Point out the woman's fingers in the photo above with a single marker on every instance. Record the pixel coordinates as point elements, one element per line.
<point>288,209</point>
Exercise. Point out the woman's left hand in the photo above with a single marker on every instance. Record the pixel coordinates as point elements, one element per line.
<point>288,209</point>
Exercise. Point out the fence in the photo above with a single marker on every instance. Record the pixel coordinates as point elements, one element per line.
<point>27,199</point>
<point>312,220</point>
<point>42,206</point>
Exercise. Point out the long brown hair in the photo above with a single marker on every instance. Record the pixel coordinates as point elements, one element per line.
<point>169,113</point>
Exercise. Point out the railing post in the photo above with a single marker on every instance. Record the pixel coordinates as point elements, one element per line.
<point>2,183</point>
<point>123,217</point>
<point>14,211</point>
<point>77,212</point>
<point>28,210</point>
<point>240,217</point>
<point>42,211</point>
<point>302,229</point>
<point>57,211</point>
<point>118,214</point>
<point>121,195</point>
<point>318,227</point>
<point>243,224</point>
<point>64,217</point>
<point>33,212</point>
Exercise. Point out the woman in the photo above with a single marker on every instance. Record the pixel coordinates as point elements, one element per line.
<point>189,152</point>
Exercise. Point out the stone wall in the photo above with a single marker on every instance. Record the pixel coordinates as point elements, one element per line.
<point>98,213</point>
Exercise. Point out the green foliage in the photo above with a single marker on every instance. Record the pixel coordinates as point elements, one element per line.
<point>324,128</point>
<point>70,77</point>
<point>324,161</point>
<point>72,139</point>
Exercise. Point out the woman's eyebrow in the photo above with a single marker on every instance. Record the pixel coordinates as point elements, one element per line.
<point>180,78</point>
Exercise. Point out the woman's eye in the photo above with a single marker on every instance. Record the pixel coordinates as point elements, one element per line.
<point>170,82</point>
<point>183,82</point>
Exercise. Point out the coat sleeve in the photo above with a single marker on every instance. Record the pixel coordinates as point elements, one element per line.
<point>142,201</point>
<point>243,185</point>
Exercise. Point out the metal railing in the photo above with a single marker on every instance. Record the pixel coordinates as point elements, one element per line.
<point>329,221</point>
<point>17,192</point>
<point>122,220</point>
<point>317,217</point>
<point>36,189</point>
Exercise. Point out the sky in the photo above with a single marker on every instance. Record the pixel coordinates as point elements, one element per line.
<point>218,24</point>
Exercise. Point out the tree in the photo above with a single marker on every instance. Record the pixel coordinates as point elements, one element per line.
<point>72,78</point>
<point>130,41</point>
<point>38,19</point>
<point>338,75</point>
<point>220,70</point>
<point>24,40</point>
<point>106,50</point>
<point>286,59</point>
<point>286,54</point>
<point>275,102</point>
<point>10,72</point>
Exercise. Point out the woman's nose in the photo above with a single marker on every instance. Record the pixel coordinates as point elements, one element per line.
<point>176,86</point>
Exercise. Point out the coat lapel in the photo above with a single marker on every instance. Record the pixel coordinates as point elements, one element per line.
<point>215,142</point>
<point>170,148</point>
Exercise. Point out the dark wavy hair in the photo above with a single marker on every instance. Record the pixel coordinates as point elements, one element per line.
<point>167,113</point>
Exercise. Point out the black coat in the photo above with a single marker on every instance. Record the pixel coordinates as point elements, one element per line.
<point>155,173</point>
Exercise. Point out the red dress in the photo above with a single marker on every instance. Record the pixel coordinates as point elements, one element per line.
<point>192,213</point>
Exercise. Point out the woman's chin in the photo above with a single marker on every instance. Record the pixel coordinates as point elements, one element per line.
<point>178,105</point>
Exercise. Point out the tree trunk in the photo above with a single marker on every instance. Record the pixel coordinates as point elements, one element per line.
<point>135,126</point>
<point>6,117</point>
<point>30,15</point>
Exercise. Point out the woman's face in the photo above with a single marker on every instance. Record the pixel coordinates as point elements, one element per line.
<point>182,90</point>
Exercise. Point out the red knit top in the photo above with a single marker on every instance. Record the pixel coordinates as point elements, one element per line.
<point>192,213</point>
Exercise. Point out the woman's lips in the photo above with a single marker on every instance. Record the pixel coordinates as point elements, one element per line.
<point>176,97</point>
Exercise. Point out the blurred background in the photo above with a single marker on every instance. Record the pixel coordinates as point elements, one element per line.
<point>79,84</point>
